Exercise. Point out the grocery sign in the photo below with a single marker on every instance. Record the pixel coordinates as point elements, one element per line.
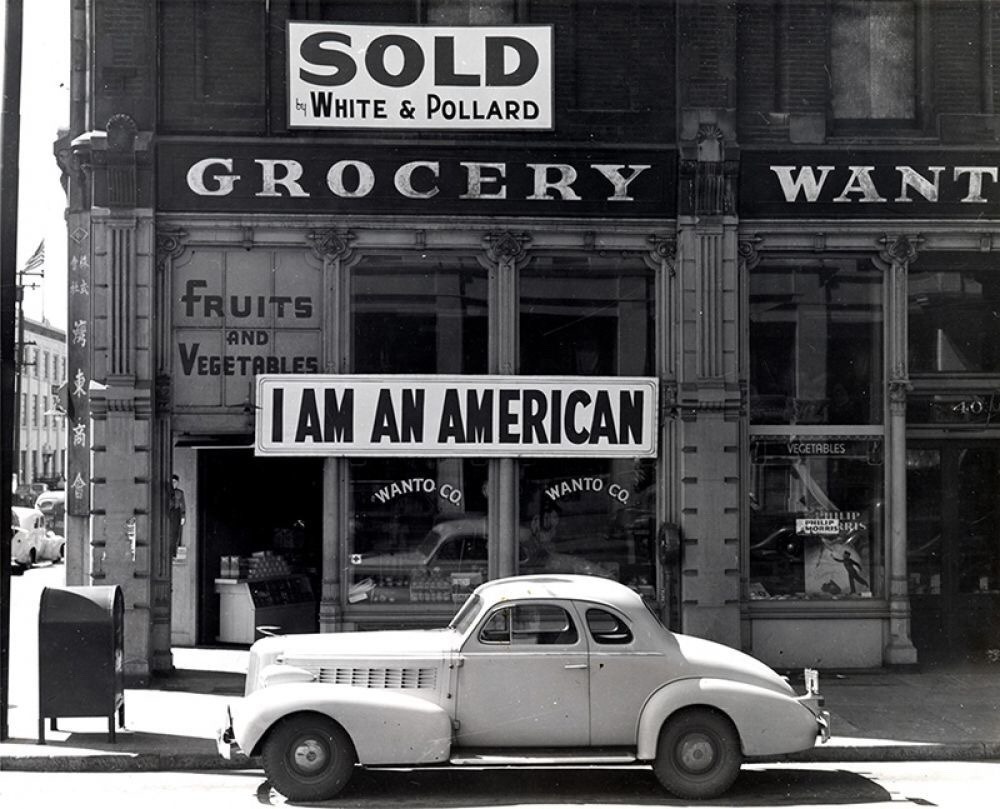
<point>426,77</point>
<point>447,416</point>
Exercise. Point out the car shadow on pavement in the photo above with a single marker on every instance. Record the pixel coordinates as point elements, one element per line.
<point>636,786</point>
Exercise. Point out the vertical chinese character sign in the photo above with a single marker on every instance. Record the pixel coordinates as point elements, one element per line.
<point>78,368</point>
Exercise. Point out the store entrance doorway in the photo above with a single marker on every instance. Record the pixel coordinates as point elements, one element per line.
<point>249,505</point>
<point>953,548</point>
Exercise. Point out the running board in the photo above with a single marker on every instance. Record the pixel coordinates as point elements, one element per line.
<point>543,758</point>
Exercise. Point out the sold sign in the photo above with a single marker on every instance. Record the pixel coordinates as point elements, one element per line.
<point>420,77</point>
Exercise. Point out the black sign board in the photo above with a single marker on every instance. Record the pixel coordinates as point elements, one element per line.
<point>854,183</point>
<point>350,177</point>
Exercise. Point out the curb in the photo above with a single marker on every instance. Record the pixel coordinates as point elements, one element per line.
<point>126,762</point>
<point>160,762</point>
<point>956,751</point>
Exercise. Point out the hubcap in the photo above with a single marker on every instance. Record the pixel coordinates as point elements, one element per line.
<point>310,756</point>
<point>696,752</point>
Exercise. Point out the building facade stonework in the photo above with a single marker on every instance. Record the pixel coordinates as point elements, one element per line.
<point>790,234</point>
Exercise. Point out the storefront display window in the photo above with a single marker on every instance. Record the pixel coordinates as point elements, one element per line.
<point>418,530</point>
<point>816,517</point>
<point>954,322</point>
<point>419,314</point>
<point>816,343</point>
<point>586,316</point>
<point>589,516</point>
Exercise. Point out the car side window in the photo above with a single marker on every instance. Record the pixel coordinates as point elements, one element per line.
<point>607,628</point>
<point>530,625</point>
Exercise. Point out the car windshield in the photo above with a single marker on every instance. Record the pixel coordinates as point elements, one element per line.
<point>464,617</point>
<point>429,543</point>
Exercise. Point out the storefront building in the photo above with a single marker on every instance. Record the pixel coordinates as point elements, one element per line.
<point>623,288</point>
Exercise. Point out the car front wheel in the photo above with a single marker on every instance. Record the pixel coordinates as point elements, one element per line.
<point>308,757</point>
<point>698,755</point>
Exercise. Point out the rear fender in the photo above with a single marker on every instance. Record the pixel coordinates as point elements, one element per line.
<point>387,727</point>
<point>768,722</point>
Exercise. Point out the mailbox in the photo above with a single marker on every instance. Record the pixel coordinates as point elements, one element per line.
<point>81,655</point>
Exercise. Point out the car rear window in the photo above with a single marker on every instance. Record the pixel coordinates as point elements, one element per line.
<point>607,628</point>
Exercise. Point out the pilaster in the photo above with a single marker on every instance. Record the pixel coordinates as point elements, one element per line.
<point>709,393</point>
<point>504,252</point>
<point>124,539</point>
<point>895,257</point>
<point>333,249</point>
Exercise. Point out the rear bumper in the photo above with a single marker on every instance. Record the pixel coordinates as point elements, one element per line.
<point>814,702</point>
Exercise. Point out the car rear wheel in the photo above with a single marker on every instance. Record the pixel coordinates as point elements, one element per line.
<point>32,557</point>
<point>698,755</point>
<point>308,757</point>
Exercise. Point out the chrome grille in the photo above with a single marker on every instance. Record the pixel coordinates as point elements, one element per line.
<point>380,677</point>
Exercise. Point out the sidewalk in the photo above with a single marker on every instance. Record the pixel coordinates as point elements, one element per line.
<point>929,715</point>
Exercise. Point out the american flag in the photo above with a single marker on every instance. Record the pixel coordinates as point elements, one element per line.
<point>37,258</point>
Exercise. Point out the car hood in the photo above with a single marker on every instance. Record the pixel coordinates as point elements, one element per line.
<point>705,658</point>
<point>381,645</point>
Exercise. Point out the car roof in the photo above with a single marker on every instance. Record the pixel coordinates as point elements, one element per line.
<point>23,512</point>
<point>568,586</point>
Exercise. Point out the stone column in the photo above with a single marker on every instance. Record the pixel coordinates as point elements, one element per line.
<point>897,253</point>
<point>333,249</point>
<point>709,382</point>
<point>504,253</point>
<point>124,543</point>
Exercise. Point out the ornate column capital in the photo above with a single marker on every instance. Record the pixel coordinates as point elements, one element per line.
<point>899,249</point>
<point>170,243</point>
<point>663,253</point>
<point>506,247</point>
<point>749,256</point>
<point>332,245</point>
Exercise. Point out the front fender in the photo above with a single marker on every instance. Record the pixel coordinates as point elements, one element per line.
<point>387,727</point>
<point>768,722</point>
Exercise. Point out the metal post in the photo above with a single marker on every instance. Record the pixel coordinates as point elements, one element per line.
<point>10,142</point>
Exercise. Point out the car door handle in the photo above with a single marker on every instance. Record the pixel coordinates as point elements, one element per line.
<point>575,666</point>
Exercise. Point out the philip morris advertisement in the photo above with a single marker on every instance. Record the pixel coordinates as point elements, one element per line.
<point>472,416</point>
<point>426,77</point>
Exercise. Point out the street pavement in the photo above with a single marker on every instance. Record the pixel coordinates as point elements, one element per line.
<point>932,714</point>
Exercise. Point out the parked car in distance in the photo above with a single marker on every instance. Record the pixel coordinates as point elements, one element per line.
<point>53,547</point>
<point>52,504</point>
<point>27,535</point>
<point>532,670</point>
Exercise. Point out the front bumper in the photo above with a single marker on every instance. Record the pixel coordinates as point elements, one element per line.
<point>225,740</point>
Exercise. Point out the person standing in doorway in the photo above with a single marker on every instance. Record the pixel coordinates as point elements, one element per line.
<point>178,515</point>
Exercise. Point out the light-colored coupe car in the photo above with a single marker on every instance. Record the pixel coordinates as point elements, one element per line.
<point>550,669</point>
<point>27,535</point>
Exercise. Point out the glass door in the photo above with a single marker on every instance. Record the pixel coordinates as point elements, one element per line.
<point>953,551</point>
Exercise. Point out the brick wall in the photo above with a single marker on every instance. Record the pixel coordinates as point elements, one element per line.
<point>124,62</point>
<point>956,58</point>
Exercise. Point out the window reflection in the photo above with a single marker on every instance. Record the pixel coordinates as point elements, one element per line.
<point>419,314</point>
<point>816,343</point>
<point>418,532</point>
<point>592,517</point>
<point>586,316</point>
<point>954,322</point>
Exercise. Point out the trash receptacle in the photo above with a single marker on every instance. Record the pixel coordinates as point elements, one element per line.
<point>81,655</point>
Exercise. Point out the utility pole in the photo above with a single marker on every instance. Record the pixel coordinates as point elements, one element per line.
<point>10,146</point>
